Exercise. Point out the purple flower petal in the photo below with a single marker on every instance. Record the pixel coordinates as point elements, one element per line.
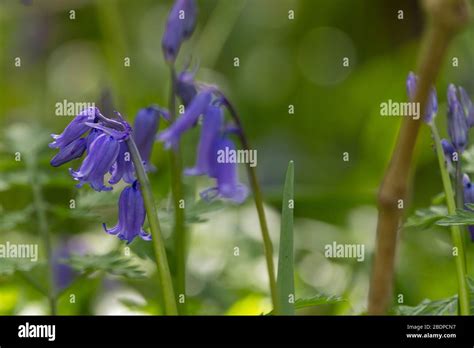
<point>131,215</point>
<point>211,126</point>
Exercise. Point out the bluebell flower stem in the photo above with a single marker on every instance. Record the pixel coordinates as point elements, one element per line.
<point>178,195</point>
<point>456,232</point>
<point>164,274</point>
<point>258,198</point>
<point>39,204</point>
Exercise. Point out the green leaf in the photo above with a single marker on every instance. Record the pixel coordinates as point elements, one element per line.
<point>447,306</point>
<point>195,213</point>
<point>462,217</point>
<point>425,218</point>
<point>12,219</point>
<point>286,278</point>
<point>113,263</point>
<point>9,266</point>
<point>317,300</point>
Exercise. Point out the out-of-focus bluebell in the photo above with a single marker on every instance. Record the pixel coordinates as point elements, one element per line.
<point>467,106</point>
<point>457,121</point>
<point>171,136</point>
<point>145,127</point>
<point>432,104</point>
<point>228,185</point>
<point>179,27</point>
<point>210,130</point>
<point>186,87</point>
<point>468,198</point>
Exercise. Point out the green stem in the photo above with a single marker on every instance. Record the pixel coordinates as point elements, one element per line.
<point>178,195</point>
<point>157,239</point>
<point>258,198</point>
<point>460,202</point>
<point>456,233</point>
<point>39,204</point>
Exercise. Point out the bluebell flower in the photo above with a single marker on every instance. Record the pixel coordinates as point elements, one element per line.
<point>186,87</point>
<point>210,130</point>
<point>178,28</point>
<point>67,153</point>
<point>131,215</point>
<point>467,106</point>
<point>100,158</point>
<point>123,167</point>
<point>448,150</point>
<point>468,198</point>
<point>228,185</point>
<point>457,122</point>
<point>76,129</point>
<point>432,104</point>
<point>197,107</point>
<point>145,127</point>
<point>93,134</point>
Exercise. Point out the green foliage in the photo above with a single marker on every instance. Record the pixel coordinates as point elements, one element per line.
<point>317,300</point>
<point>112,263</point>
<point>9,266</point>
<point>286,277</point>
<point>426,218</point>
<point>447,306</point>
<point>462,217</point>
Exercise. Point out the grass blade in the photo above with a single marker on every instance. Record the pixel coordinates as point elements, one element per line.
<point>285,278</point>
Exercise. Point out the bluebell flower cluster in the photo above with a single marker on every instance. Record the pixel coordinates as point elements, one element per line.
<point>214,138</point>
<point>460,118</point>
<point>431,106</point>
<point>203,103</point>
<point>104,141</point>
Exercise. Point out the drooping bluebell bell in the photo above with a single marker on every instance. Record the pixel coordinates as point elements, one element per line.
<point>76,129</point>
<point>170,137</point>
<point>145,127</point>
<point>432,104</point>
<point>457,121</point>
<point>210,130</point>
<point>123,167</point>
<point>131,215</point>
<point>449,152</point>
<point>179,27</point>
<point>467,106</point>
<point>67,153</point>
<point>225,171</point>
<point>100,158</point>
<point>468,198</point>
<point>186,87</point>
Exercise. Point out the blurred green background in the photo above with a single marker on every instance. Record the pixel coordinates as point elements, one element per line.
<point>282,62</point>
